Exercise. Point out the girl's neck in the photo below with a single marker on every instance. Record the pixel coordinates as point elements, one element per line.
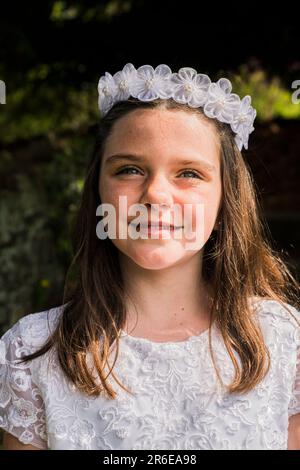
<point>167,302</point>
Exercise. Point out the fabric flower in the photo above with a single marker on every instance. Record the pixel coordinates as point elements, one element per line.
<point>122,433</point>
<point>242,123</point>
<point>26,437</point>
<point>187,87</point>
<point>20,381</point>
<point>221,103</point>
<point>35,334</point>
<point>190,87</point>
<point>22,413</point>
<point>60,430</point>
<point>107,90</point>
<point>124,80</point>
<point>239,142</point>
<point>81,433</point>
<point>151,84</point>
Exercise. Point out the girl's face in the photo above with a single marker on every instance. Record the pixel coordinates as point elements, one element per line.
<point>169,158</point>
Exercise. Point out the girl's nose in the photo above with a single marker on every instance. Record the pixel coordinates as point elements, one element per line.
<point>157,191</point>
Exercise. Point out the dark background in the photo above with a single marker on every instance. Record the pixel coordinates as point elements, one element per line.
<point>51,57</point>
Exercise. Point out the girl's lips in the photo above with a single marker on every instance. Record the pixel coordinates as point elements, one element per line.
<point>157,226</point>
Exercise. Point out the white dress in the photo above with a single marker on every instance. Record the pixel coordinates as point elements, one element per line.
<point>177,402</point>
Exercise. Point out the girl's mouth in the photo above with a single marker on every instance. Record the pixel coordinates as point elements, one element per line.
<point>157,226</point>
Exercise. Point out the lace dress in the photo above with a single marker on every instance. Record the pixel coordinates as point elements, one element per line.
<point>177,401</point>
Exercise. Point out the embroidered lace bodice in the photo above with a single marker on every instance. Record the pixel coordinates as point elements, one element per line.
<point>177,401</point>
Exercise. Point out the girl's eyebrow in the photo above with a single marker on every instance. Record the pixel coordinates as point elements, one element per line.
<point>139,158</point>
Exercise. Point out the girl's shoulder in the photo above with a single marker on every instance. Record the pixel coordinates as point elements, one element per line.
<point>281,316</point>
<point>30,332</point>
<point>23,384</point>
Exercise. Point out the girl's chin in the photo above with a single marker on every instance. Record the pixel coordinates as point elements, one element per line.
<point>154,265</point>
<point>156,258</point>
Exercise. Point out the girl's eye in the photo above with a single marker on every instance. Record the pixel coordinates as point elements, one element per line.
<point>127,169</point>
<point>192,173</point>
<point>130,168</point>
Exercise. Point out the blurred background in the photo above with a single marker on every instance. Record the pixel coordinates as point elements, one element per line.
<point>51,57</point>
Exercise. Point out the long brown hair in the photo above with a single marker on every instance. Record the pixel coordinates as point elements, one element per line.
<point>238,262</point>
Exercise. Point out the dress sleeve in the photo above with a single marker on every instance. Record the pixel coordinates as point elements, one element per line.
<point>22,410</point>
<point>294,405</point>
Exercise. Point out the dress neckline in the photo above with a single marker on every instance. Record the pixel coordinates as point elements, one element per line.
<point>202,336</point>
<point>194,338</point>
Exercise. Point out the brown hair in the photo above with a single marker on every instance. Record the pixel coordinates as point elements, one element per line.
<point>238,263</point>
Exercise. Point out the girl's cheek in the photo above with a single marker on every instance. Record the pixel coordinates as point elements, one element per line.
<point>115,190</point>
<point>205,210</point>
<point>110,192</point>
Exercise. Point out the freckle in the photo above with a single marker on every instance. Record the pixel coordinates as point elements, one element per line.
<point>182,308</point>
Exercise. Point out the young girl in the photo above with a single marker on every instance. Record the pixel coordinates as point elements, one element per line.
<point>161,345</point>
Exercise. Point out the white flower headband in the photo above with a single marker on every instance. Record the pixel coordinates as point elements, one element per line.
<point>187,87</point>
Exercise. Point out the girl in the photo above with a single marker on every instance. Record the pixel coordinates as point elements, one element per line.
<point>206,336</point>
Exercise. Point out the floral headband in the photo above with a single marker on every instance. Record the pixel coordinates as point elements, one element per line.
<point>187,87</point>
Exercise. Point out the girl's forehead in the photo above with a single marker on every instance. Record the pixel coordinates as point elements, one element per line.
<point>163,132</point>
<point>151,120</point>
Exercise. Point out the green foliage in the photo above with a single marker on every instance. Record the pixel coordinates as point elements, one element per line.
<point>36,216</point>
<point>61,12</point>
<point>269,96</point>
<point>37,108</point>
